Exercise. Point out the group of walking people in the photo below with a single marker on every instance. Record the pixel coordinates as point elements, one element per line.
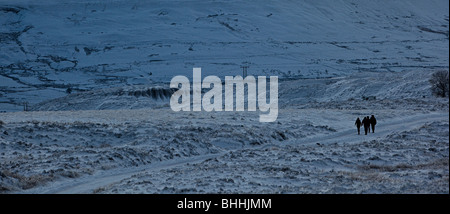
<point>367,123</point>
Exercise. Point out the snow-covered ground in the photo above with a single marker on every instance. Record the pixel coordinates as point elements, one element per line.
<point>313,146</point>
<point>337,60</point>
<point>414,161</point>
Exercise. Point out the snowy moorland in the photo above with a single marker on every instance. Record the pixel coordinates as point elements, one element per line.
<point>313,147</point>
<point>115,133</point>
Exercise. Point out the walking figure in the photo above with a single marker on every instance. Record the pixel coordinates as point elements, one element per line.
<point>366,123</point>
<point>358,124</point>
<point>373,122</point>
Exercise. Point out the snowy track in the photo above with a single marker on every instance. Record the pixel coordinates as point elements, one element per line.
<point>89,184</point>
<point>381,130</point>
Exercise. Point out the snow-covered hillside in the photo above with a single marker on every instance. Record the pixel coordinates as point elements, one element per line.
<point>410,88</point>
<point>128,97</point>
<point>49,46</point>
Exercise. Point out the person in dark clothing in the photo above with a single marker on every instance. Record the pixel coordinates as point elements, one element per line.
<point>366,123</point>
<point>373,122</point>
<point>358,124</point>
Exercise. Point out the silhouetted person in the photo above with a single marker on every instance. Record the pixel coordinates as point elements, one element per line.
<point>358,124</point>
<point>373,122</point>
<point>366,123</point>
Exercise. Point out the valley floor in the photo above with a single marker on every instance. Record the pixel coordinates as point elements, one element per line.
<point>308,150</point>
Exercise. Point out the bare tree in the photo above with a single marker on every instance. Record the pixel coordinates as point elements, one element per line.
<point>439,83</point>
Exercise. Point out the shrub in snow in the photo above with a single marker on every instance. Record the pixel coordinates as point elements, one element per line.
<point>439,83</point>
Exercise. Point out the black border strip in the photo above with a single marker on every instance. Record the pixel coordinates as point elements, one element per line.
<point>169,202</point>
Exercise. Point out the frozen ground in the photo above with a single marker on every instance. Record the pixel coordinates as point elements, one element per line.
<point>414,161</point>
<point>312,147</point>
